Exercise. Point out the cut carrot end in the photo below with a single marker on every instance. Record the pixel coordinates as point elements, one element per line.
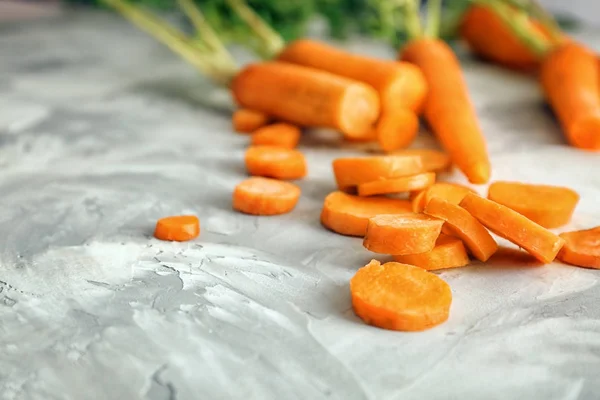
<point>584,133</point>
<point>177,228</point>
<point>581,248</point>
<point>449,252</point>
<point>247,121</point>
<point>275,162</point>
<point>279,135</point>
<point>264,196</point>
<point>396,130</point>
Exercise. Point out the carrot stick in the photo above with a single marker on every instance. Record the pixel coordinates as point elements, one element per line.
<point>349,215</point>
<point>279,135</point>
<point>509,224</point>
<point>178,228</point>
<point>402,234</point>
<point>451,192</point>
<point>397,185</point>
<point>247,121</point>
<point>264,196</point>
<point>350,172</point>
<point>399,297</point>
<point>464,226</point>
<point>548,206</point>
<point>582,248</point>
<point>275,162</point>
<point>432,160</point>
<point>307,97</point>
<point>396,130</point>
<point>449,252</point>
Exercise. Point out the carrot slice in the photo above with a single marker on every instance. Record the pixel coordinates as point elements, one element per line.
<point>397,185</point>
<point>451,192</point>
<point>397,129</point>
<point>279,135</point>
<point>275,162</point>
<point>537,240</point>
<point>402,234</point>
<point>264,196</point>
<point>177,228</point>
<point>432,160</point>
<point>349,215</point>
<point>464,226</point>
<point>350,172</point>
<point>449,252</point>
<point>582,248</point>
<point>247,121</point>
<point>399,297</point>
<point>549,206</point>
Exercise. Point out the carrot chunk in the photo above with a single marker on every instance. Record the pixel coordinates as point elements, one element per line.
<point>399,297</point>
<point>275,162</point>
<point>449,252</point>
<point>350,172</point>
<point>247,121</point>
<point>451,192</point>
<point>397,129</point>
<point>397,185</point>
<point>177,228</point>
<point>509,224</point>
<point>264,196</point>
<point>432,160</point>
<point>582,248</point>
<point>279,135</point>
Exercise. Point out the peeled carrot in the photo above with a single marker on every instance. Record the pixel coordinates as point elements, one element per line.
<point>275,162</point>
<point>509,224</point>
<point>432,160</point>
<point>178,228</point>
<point>464,226</point>
<point>451,192</point>
<point>402,234</point>
<point>264,196</point>
<point>247,121</point>
<point>279,135</point>
<point>582,248</point>
<point>397,129</point>
<point>399,297</point>
<point>449,252</point>
<point>397,185</point>
<point>349,215</point>
<point>307,97</point>
<point>548,206</point>
<point>350,172</point>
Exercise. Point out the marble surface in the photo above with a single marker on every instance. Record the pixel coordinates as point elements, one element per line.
<point>102,131</point>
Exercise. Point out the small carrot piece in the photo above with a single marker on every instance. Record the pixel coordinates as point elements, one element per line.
<point>401,234</point>
<point>397,185</point>
<point>265,196</point>
<point>399,297</point>
<point>279,135</point>
<point>275,162</point>
<point>247,121</point>
<point>449,252</point>
<point>350,172</point>
<point>509,224</point>
<point>548,206</point>
<point>432,160</point>
<point>396,129</point>
<point>349,215</point>
<point>464,226</point>
<point>451,192</point>
<point>178,228</point>
<point>582,248</point>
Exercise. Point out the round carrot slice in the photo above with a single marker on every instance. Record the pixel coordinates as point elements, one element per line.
<point>451,192</point>
<point>247,121</point>
<point>548,206</point>
<point>350,172</point>
<point>449,252</point>
<point>264,196</point>
<point>275,162</point>
<point>397,129</point>
<point>397,185</point>
<point>402,233</point>
<point>581,248</point>
<point>279,135</point>
<point>399,297</point>
<point>177,228</point>
<point>432,160</point>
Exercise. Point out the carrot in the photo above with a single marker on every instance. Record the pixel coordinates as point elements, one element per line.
<point>399,297</point>
<point>402,234</point>
<point>400,85</point>
<point>307,97</point>
<point>582,248</point>
<point>451,192</point>
<point>247,121</point>
<point>178,228</point>
<point>279,135</point>
<point>264,196</point>
<point>396,130</point>
<point>464,226</point>
<point>509,224</point>
<point>397,185</point>
<point>349,215</point>
<point>449,252</point>
<point>548,206</point>
<point>432,160</point>
<point>275,162</point>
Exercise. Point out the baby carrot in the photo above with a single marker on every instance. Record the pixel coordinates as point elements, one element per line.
<point>279,135</point>
<point>275,162</point>
<point>449,252</point>
<point>399,297</point>
<point>582,248</point>
<point>397,129</point>
<point>350,172</point>
<point>264,196</point>
<point>178,228</point>
<point>451,192</point>
<point>397,185</point>
<point>432,160</point>
<point>247,121</point>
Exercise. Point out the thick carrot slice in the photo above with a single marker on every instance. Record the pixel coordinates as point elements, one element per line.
<point>177,228</point>
<point>399,297</point>
<point>279,135</point>
<point>401,234</point>
<point>350,172</point>
<point>247,121</point>
<point>349,215</point>
<point>451,192</point>
<point>397,185</point>
<point>464,226</point>
<point>275,162</point>
<point>264,196</point>
<point>449,252</point>
<point>432,160</point>
<point>397,129</point>
<point>582,248</point>
<point>537,240</point>
<point>548,206</point>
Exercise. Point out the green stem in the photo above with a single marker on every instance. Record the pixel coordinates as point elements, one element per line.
<point>434,12</point>
<point>547,20</point>
<point>205,31</point>
<point>412,20</point>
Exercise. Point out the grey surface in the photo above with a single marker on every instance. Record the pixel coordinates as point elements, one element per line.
<point>102,132</point>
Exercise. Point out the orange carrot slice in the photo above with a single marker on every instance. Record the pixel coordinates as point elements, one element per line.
<point>449,252</point>
<point>397,129</point>
<point>264,196</point>
<point>275,162</point>
<point>397,185</point>
<point>350,172</point>
<point>247,121</point>
<point>279,135</point>
<point>451,192</point>
<point>399,297</point>
<point>582,248</point>
<point>432,160</point>
<point>177,228</point>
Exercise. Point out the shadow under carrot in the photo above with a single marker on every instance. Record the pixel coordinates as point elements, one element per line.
<point>508,257</point>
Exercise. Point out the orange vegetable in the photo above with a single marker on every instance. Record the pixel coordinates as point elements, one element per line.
<point>538,241</point>
<point>432,160</point>
<point>177,228</point>
<point>549,206</point>
<point>279,135</point>
<point>247,121</point>
<point>582,248</point>
<point>451,192</point>
<point>264,196</point>
<point>449,252</point>
<point>350,172</point>
<point>275,162</point>
<point>349,215</point>
<point>399,297</point>
<point>397,129</point>
<point>401,234</point>
<point>397,185</point>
